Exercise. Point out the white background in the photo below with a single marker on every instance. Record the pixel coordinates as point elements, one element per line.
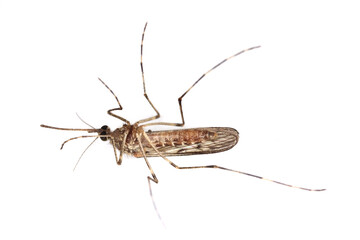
<point>295,102</point>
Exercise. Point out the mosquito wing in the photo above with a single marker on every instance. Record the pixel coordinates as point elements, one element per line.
<point>189,141</point>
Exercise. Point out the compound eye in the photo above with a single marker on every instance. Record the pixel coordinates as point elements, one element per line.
<point>105,127</point>
<point>103,138</point>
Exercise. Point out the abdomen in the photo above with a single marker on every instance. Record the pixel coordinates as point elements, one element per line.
<point>191,141</point>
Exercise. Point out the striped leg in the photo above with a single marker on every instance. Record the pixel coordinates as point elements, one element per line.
<point>153,178</point>
<point>222,168</point>
<point>182,96</point>
<point>143,79</point>
<point>119,108</point>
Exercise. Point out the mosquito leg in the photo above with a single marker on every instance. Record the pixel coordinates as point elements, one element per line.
<point>117,116</point>
<point>251,175</point>
<point>222,168</point>
<point>153,178</point>
<point>122,147</point>
<point>182,96</point>
<point>117,100</point>
<point>143,79</point>
<point>118,160</point>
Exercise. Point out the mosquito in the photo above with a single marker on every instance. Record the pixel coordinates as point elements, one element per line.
<point>132,139</point>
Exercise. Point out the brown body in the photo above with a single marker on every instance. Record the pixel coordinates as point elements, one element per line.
<point>179,142</point>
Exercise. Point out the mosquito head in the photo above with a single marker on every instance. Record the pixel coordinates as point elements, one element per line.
<point>104,130</point>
